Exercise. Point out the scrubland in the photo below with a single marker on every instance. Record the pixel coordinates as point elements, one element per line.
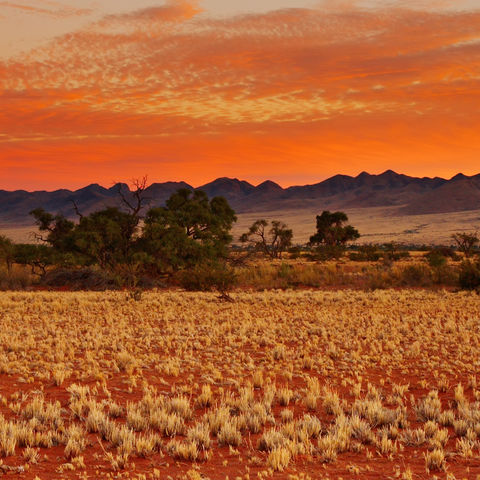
<point>298,385</point>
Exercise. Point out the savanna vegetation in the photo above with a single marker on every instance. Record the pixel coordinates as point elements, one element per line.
<point>188,243</point>
<point>296,384</point>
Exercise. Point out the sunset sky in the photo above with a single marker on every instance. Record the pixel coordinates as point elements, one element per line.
<point>289,90</point>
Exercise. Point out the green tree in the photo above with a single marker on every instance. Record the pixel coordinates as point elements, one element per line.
<point>332,231</point>
<point>271,242</point>
<point>55,230</point>
<point>189,230</point>
<point>107,237</point>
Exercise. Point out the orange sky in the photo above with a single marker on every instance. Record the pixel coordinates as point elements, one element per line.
<point>292,95</point>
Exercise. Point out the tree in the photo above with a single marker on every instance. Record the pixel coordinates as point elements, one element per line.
<point>107,237</point>
<point>57,230</point>
<point>7,252</point>
<point>466,242</point>
<point>135,200</point>
<point>272,242</point>
<point>189,230</point>
<point>37,257</point>
<point>332,231</point>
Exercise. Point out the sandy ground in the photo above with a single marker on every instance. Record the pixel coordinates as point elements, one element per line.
<point>376,225</point>
<point>384,356</point>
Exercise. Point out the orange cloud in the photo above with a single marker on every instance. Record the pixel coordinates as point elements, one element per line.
<point>293,95</point>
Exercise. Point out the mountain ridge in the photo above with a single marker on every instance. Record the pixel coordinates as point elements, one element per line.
<point>412,195</point>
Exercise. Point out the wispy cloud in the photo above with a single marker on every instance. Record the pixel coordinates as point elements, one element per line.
<point>52,9</point>
<point>321,86</point>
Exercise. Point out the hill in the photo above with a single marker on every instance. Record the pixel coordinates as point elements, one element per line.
<point>404,195</point>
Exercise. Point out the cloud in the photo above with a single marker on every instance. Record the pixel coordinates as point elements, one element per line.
<point>52,9</point>
<point>318,85</point>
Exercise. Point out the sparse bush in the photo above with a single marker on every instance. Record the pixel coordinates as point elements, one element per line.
<point>323,253</point>
<point>393,252</point>
<point>81,279</point>
<point>17,278</point>
<point>366,253</point>
<point>417,275</point>
<point>469,275</point>
<point>208,277</point>
<point>436,259</point>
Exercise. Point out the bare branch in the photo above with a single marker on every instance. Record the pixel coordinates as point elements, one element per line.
<point>138,200</point>
<point>76,209</point>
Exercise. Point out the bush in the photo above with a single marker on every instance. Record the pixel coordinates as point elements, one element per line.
<point>15,279</point>
<point>285,271</point>
<point>327,252</point>
<point>208,277</point>
<point>469,275</point>
<point>417,275</point>
<point>436,259</point>
<point>393,252</point>
<point>379,280</point>
<point>366,253</point>
<point>295,252</point>
<point>445,275</point>
<point>81,279</point>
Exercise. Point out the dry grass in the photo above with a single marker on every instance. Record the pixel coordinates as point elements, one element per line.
<point>279,382</point>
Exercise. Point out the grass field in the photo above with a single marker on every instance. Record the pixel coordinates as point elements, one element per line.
<point>298,385</point>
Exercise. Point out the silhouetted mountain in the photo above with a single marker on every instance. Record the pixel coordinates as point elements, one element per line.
<point>230,188</point>
<point>411,195</point>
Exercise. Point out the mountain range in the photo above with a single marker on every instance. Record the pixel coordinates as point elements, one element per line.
<point>408,195</point>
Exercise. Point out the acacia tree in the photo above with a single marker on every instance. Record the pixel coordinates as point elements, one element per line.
<point>271,242</point>
<point>106,237</point>
<point>466,242</point>
<point>332,231</point>
<point>189,230</point>
<point>55,230</point>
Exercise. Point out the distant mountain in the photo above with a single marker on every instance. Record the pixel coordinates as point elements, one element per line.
<point>412,195</point>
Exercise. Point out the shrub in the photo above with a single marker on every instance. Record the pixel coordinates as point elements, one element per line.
<point>415,275</point>
<point>295,252</point>
<point>446,252</point>
<point>81,279</point>
<point>285,271</point>
<point>394,252</point>
<point>15,279</point>
<point>208,277</point>
<point>469,275</point>
<point>327,252</point>
<point>378,280</point>
<point>436,259</point>
<point>366,253</point>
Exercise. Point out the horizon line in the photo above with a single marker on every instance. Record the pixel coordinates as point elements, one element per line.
<point>363,172</point>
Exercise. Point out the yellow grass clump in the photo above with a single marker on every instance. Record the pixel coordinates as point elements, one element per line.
<point>281,381</point>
